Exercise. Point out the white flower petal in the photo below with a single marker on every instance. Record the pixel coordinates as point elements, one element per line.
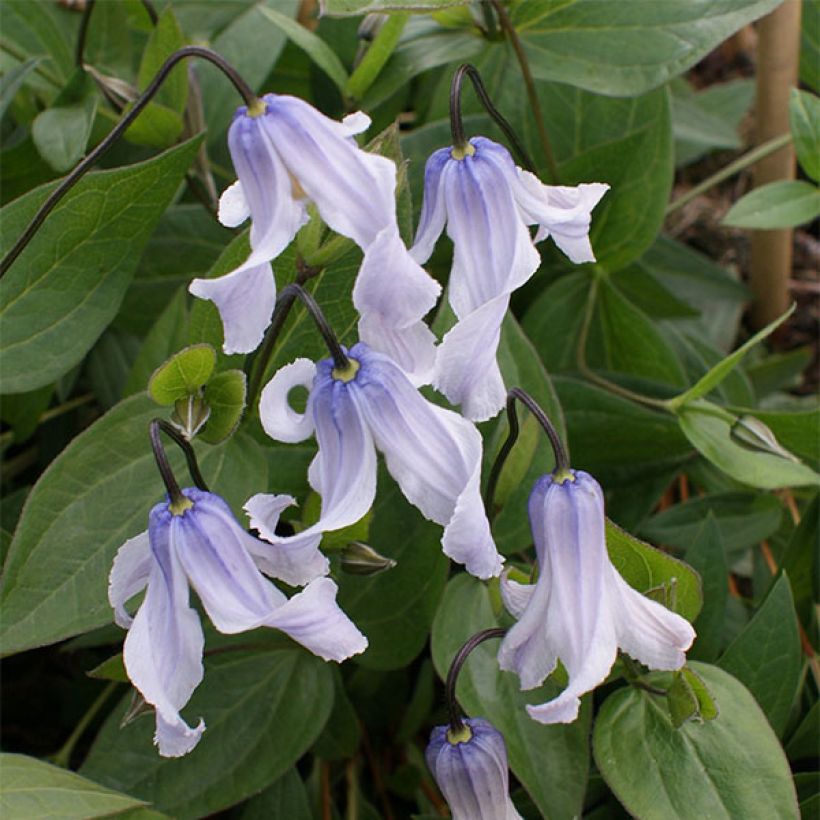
<point>129,575</point>
<point>433,209</point>
<point>313,618</point>
<point>296,560</point>
<point>467,371</point>
<point>515,596</point>
<point>245,300</point>
<point>356,123</point>
<point>233,206</point>
<point>279,419</point>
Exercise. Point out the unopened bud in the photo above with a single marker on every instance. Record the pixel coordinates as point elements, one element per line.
<point>753,434</point>
<point>361,559</point>
<point>136,709</point>
<point>190,413</point>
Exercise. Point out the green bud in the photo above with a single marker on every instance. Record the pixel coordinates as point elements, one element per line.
<point>190,413</point>
<point>753,434</point>
<point>361,559</point>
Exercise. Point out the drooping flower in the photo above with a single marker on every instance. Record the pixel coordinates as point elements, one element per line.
<point>487,203</point>
<point>471,770</point>
<point>433,454</point>
<point>286,155</point>
<point>198,542</point>
<point>580,611</point>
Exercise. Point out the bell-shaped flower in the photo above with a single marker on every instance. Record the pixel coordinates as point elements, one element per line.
<point>470,768</point>
<point>288,154</point>
<point>199,543</point>
<point>487,204</point>
<point>580,611</point>
<point>433,454</point>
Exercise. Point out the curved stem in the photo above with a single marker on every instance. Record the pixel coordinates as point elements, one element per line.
<point>63,756</point>
<point>62,189</point>
<point>591,375</point>
<point>158,426</point>
<point>561,460</point>
<point>457,126</point>
<point>152,12</point>
<point>456,722</point>
<point>83,33</point>
<point>529,83</point>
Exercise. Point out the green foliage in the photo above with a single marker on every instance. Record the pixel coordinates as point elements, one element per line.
<point>776,205</point>
<point>184,373</point>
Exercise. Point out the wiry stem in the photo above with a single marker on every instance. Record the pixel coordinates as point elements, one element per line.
<point>158,426</point>
<point>62,189</point>
<point>456,721</point>
<point>457,126</point>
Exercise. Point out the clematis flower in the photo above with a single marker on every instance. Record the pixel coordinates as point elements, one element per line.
<point>471,771</point>
<point>487,203</point>
<point>288,154</point>
<point>198,542</point>
<point>433,454</point>
<point>580,610</point>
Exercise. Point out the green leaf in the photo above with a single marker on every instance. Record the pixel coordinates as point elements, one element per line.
<point>729,767</point>
<point>23,410</point>
<point>262,712</point>
<point>632,50</point>
<point>94,495</point>
<point>722,369</point>
<point>710,432</point>
<point>804,116</point>
<point>532,455</point>
<point>166,38</point>
<point>67,285</point>
<point>341,736</point>
<point>111,669</point>
<point>36,33</point>
<point>803,743</point>
<point>225,395</point>
<point>157,126</point>
<point>31,788</point>
<point>485,691</point>
<point>398,632</point>
<point>315,47</point>
<point>706,555</point>
<point>344,8</point>
<point>286,798</point>
<point>647,569</point>
<point>810,45</point>
<point>782,204</point>
<point>778,371</point>
<point>377,54</point>
<point>12,80</point>
<point>61,132</point>
<point>767,658</point>
<point>800,563</point>
<point>688,699</point>
<point>743,519</point>
<point>183,374</point>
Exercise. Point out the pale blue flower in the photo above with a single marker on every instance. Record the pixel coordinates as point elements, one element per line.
<point>580,611</point>
<point>287,155</point>
<point>470,768</point>
<point>433,454</point>
<point>487,204</point>
<point>200,543</point>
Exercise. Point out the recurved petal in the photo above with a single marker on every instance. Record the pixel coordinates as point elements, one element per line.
<point>245,300</point>
<point>648,631</point>
<point>516,597</point>
<point>129,575</point>
<point>296,560</point>
<point>433,208</point>
<point>313,618</point>
<point>467,371</point>
<point>163,648</point>
<point>353,189</point>
<point>413,348</point>
<point>433,454</point>
<point>279,419</point>
<point>233,206</point>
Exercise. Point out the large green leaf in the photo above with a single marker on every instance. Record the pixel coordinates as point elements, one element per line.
<point>550,761</point>
<point>286,798</point>
<point>262,712</point>
<point>346,7</point>
<point>31,788</point>
<point>767,658</point>
<point>397,631</point>
<point>729,767</point>
<point>628,48</point>
<point>67,285</point>
<point>784,204</point>
<point>96,494</point>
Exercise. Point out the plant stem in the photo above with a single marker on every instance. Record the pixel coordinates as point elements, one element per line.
<point>63,756</point>
<point>532,93</point>
<point>749,158</point>
<point>63,187</point>
<point>83,33</point>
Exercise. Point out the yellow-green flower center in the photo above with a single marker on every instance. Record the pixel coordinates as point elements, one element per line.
<point>346,374</point>
<point>463,735</point>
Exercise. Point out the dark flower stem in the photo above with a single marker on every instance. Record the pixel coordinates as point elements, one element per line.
<point>83,32</point>
<point>157,427</point>
<point>529,83</point>
<point>456,721</point>
<point>457,126</point>
<point>561,460</point>
<point>62,189</point>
